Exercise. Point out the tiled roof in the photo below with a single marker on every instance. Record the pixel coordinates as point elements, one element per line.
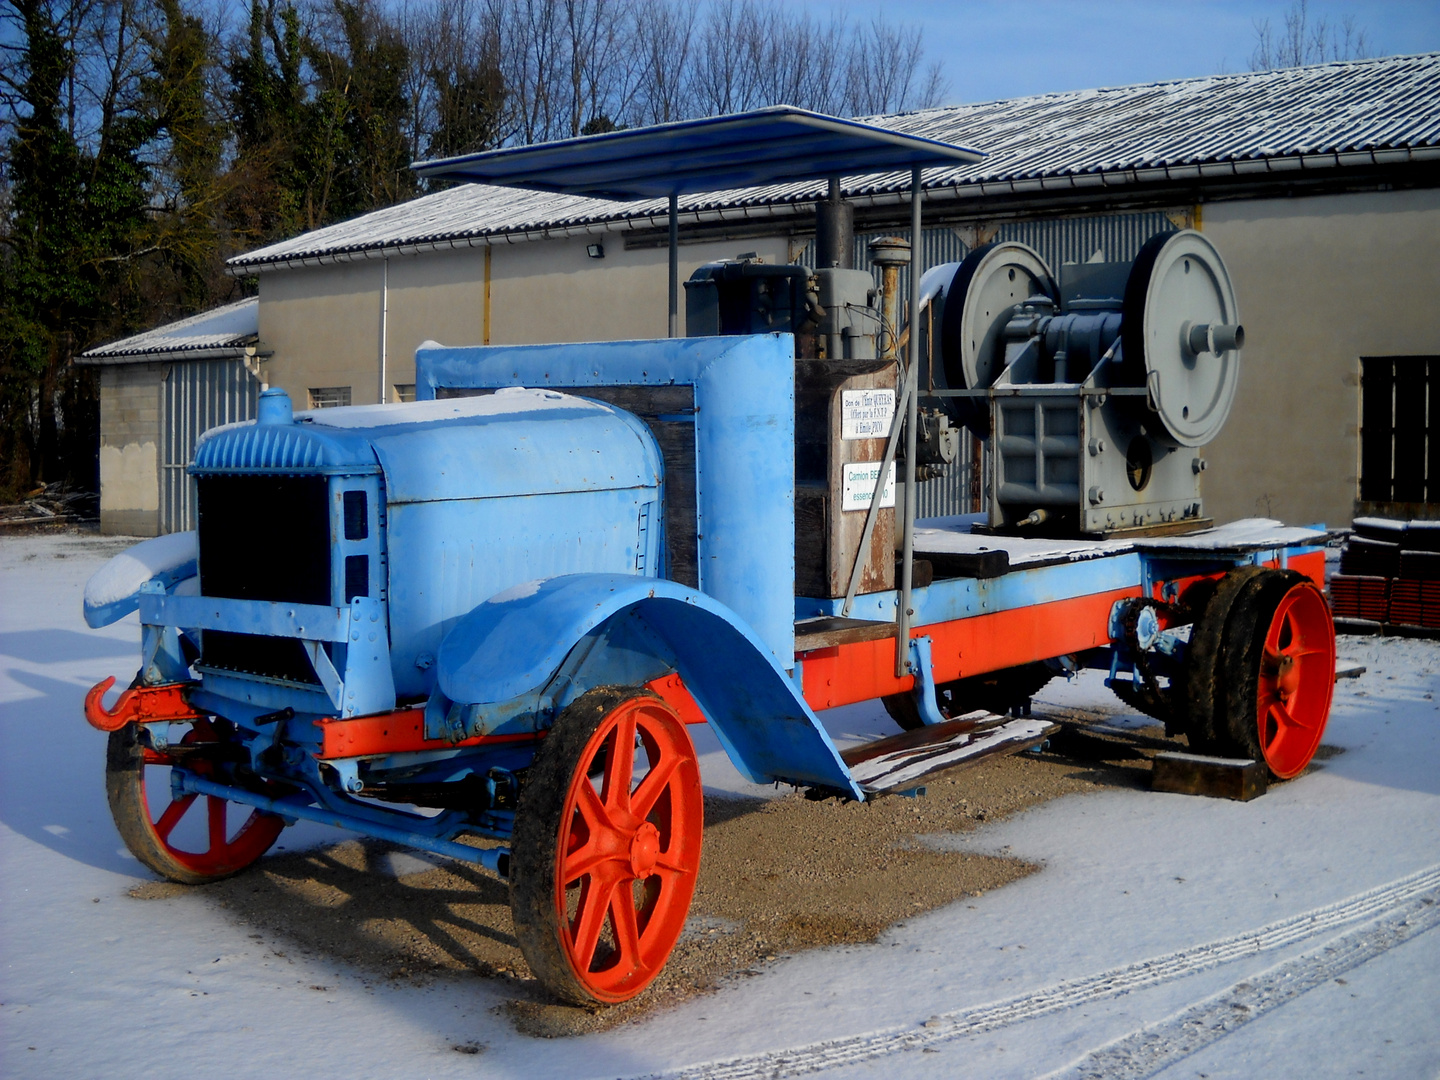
<point>222,331</point>
<point>1326,116</point>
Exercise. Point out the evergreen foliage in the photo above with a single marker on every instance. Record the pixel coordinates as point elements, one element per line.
<point>143,142</point>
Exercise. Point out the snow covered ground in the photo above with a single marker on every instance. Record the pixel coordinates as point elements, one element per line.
<point>1166,936</point>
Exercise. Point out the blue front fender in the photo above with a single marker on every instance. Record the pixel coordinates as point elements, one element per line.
<point>517,642</point>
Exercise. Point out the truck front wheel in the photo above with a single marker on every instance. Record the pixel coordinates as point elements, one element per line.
<point>191,848</point>
<point>606,849</point>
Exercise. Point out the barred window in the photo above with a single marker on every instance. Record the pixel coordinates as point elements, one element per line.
<point>404,391</point>
<point>328,397</point>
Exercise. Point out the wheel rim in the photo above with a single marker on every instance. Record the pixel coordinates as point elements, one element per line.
<point>176,828</point>
<point>1297,679</point>
<point>630,844</point>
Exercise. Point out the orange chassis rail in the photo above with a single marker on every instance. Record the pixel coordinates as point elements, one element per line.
<point>837,675</point>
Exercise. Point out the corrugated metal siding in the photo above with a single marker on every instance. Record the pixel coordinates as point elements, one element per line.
<point>1118,237</point>
<point>199,395</point>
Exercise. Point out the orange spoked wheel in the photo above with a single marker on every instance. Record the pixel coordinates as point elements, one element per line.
<point>1280,671</point>
<point>606,848</point>
<point>191,839</point>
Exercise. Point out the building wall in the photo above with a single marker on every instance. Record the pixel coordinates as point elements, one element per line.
<point>1321,282</point>
<point>322,324</point>
<point>129,449</point>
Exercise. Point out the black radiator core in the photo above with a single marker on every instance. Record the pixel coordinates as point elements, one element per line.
<point>263,538</point>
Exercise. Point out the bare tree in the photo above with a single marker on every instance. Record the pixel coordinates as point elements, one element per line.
<point>666,34</point>
<point>884,72</point>
<point>1307,40</point>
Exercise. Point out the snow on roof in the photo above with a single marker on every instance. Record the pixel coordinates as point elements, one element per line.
<point>222,331</point>
<point>1341,114</point>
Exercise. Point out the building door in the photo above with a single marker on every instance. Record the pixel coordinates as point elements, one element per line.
<point>1400,435</point>
<point>199,395</point>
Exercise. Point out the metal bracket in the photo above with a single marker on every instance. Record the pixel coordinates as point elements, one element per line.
<point>924,689</point>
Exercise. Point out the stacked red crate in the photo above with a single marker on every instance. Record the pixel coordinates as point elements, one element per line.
<point>1357,596</point>
<point>1430,600</point>
<point>1406,603</point>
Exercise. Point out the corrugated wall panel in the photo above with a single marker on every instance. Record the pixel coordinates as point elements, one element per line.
<point>1115,237</point>
<point>199,395</point>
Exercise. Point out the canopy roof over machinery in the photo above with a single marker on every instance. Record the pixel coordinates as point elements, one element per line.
<point>764,146</point>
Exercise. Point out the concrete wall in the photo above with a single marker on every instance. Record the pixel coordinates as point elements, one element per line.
<point>1321,282</point>
<point>322,324</point>
<point>129,448</point>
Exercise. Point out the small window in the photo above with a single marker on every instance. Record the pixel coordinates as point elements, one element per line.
<point>1400,432</point>
<point>404,391</point>
<point>357,524</point>
<point>357,576</point>
<point>329,397</point>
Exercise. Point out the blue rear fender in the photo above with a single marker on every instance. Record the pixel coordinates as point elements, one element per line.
<point>532,649</point>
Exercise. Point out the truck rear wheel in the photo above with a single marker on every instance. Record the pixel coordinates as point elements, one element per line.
<point>1203,678</point>
<point>1279,673</point>
<point>606,849</point>
<point>174,843</point>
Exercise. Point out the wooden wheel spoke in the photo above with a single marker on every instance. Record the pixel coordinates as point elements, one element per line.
<point>654,784</point>
<point>1285,720</point>
<point>595,812</point>
<point>620,765</point>
<point>215,813</point>
<point>626,927</point>
<point>588,858</point>
<point>595,897</point>
<point>172,815</point>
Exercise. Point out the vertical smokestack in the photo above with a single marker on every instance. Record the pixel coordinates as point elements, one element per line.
<point>834,230</point>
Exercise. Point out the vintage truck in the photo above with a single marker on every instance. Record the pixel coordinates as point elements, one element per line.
<point>481,622</point>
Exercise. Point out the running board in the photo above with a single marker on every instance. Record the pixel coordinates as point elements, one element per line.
<point>897,762</point>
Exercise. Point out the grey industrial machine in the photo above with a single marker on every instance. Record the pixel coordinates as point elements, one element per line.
<point>1094,390</point>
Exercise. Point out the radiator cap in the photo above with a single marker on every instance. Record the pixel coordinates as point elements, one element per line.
<point>274,407</point>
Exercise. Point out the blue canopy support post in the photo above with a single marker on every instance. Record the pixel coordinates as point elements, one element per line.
<point>912,376</point>
<point>674,264</point>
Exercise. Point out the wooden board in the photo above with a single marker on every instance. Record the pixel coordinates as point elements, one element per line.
<point>831,630</point>
<point>1219,778</point>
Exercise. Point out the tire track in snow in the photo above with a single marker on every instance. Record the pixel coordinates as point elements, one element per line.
<point>1421,889</point>
<point>1146,1052</point>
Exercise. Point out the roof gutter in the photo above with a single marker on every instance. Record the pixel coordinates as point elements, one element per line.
<point>1252,168</point>
<point>180,355</point>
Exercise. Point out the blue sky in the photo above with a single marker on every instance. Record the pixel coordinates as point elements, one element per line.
<point>994,49</point>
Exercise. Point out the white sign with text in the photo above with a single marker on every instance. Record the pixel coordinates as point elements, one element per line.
<point>866,414</point>
<point>859,486</point>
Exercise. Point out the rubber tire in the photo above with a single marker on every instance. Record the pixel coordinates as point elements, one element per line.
<point>995,691</point>
<point>1249,623</point>
<point>125,792</point>
<point>1124,689</point>
<point>535,841</point>
<point>1204,677</point>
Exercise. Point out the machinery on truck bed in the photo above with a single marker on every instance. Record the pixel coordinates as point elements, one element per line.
<point>480,623</point>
